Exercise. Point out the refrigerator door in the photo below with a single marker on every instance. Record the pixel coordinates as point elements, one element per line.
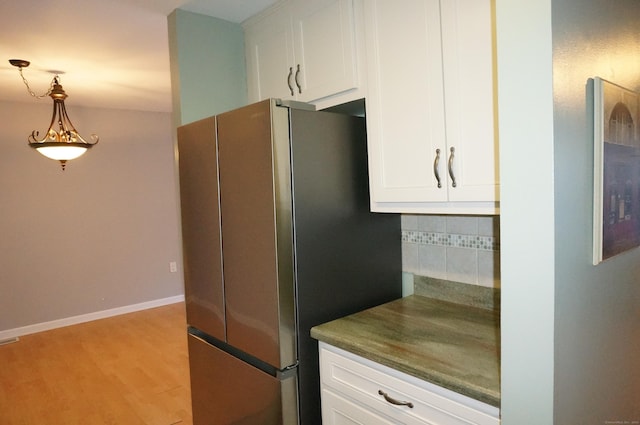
<point>202,254</point>
<point>228,391</point>
<point>257,238</point>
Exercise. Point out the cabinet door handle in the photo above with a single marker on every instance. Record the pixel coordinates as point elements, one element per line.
<point>436,168</point>
<point>453,178</point>
<point>289,80</point>
<point>296,80</point>
<point>394,401</point>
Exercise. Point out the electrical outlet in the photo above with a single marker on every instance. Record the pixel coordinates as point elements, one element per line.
<point>173,267</point>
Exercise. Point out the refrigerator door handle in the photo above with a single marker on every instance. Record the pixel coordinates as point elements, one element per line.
<point>287,372</point>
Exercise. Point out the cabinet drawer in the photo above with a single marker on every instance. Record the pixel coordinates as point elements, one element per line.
<point>337,410</point>
<point>361,380</point>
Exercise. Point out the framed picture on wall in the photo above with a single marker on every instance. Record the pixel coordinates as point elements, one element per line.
<point>616,205</point>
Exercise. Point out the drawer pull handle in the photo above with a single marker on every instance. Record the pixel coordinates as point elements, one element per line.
<point>394,401</point>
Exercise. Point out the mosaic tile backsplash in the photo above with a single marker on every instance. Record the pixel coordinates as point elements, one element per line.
<point>463,249</point>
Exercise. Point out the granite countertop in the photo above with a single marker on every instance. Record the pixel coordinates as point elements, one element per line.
<point>451,345</point>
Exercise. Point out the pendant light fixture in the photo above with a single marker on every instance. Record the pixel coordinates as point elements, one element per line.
<point>61,141</point>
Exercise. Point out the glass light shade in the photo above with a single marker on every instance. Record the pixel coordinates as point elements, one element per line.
<point>62,151</point>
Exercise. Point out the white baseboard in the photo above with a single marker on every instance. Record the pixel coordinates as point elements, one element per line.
<point>45,326</point>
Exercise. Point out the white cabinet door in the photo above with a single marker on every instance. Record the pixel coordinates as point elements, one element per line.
<point>324,34</point>
<point>270,55</point>
<point>405,114</point>
<point>303,50</point>
<point>430,113</point>
<point>467,49</point>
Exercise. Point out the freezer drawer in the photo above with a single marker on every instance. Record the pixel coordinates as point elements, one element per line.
<point>228,391</point>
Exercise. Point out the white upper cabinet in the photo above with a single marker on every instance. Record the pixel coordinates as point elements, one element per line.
<point>303,50</point>
<point>269,55</point>
<point>430,106</point>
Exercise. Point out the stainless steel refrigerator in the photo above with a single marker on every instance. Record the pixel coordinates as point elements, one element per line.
<point>277,238</point>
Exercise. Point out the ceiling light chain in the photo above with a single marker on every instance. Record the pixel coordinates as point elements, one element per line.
<point>26,83</point>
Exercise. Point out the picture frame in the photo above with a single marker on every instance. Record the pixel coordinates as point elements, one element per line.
<point>616,197</point>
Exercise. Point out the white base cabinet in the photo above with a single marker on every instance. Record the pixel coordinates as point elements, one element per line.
<point>304,50</point>
<point>358,391</point>
<point>430,106</point>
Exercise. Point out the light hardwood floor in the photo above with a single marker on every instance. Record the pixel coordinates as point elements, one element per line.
<point>127,370</point>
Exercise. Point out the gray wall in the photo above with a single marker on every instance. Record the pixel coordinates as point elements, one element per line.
<point>570,330</point>
<point>97,236</point>
<point>597,342</point>
<point>101,235</point>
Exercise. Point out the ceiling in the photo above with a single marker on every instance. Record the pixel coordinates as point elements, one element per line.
<point>111,54</point>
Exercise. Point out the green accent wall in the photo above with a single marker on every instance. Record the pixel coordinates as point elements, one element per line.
<point>207,66</point>
<point>527,226</point>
